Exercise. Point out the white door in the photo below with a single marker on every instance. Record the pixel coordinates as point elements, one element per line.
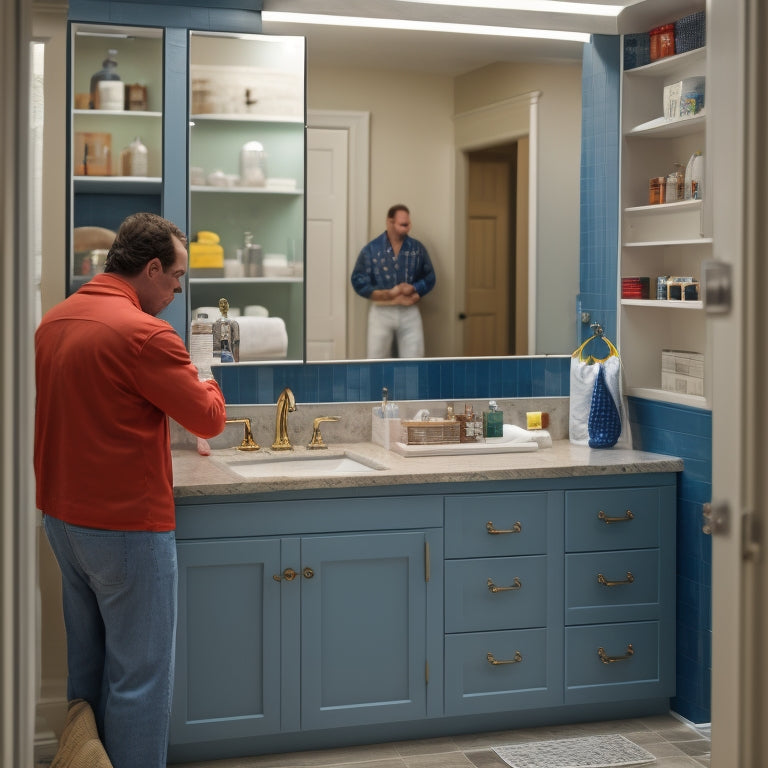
<point>326,262</point>
<point>737,369</point>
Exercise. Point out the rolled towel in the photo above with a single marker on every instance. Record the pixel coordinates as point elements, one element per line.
<point>262,338</point>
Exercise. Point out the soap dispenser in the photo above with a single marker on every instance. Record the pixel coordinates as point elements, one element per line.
<point>493,421</point>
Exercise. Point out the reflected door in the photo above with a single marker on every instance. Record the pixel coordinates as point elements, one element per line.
<point>327,278</point>
<point>486,330</point>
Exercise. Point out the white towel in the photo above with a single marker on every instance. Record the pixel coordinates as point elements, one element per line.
<point>262,338</point>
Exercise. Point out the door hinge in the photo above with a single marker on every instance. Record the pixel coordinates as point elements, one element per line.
<point>751,535</point>
<point>426,561</point>
<point>426,672</point>
<point>717,287</point>
<point>717,518</point>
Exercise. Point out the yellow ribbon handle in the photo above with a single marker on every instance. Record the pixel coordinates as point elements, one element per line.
<point>613,352</point>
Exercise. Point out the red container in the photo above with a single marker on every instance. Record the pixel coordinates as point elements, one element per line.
<point>662,41</point>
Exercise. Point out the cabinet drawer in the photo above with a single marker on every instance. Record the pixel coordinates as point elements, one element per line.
<point>633,665</point>
<point>629,590</point>
<point>474,684</point>
<point>612,519</point>
<point>518,519</point>
<point>471,603</point>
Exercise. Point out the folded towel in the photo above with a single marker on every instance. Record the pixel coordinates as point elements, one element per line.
<point>80,746</point>
<point>262,338</point>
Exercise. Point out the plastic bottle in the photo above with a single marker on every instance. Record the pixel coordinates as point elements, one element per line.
<point>201,346</point>
<point>697,177</point>
<point>135,159</point>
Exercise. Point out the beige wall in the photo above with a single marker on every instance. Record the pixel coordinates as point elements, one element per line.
<point>411,143</point>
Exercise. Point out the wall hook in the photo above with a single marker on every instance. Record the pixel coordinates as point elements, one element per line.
<point>597,329</point>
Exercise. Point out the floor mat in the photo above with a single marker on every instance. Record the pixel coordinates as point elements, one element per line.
<point>610,751</point>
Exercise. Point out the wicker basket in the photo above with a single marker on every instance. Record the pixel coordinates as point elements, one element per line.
<point>430,432</point>
<point>690,32</point>
<point>637,50</point>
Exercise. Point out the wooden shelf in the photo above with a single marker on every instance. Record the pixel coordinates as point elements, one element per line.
<point>246,119</point>
<point>669,64</point>
<point>116,113</point>
<point>658,243</point>
<point>664,396</point>
<point>661,128</point>
<point>674,304</point>
<point>662,208</point>
<point>118,185</point>
<point>205,188</point>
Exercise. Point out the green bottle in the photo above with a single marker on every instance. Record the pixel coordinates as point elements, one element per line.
<point>493,421</point>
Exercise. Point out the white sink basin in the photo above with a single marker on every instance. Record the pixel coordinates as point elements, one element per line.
<point>320,465</point>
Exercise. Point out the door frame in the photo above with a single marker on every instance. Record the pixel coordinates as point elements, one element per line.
<point>499,123</point>
<point>357,125</point>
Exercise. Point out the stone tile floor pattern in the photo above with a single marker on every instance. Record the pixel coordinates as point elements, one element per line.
<point>674,744</point>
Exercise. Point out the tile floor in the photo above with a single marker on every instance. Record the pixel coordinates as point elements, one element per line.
<point>674,744</point>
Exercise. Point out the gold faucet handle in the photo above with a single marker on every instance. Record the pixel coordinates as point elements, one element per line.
<point>248,443</point>
<point>317,438</point>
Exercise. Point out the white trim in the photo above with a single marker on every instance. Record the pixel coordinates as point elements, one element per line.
<point>487,126</point>
<point>357,125</point>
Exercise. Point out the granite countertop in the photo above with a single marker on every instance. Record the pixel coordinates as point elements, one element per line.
<point>197,476</point>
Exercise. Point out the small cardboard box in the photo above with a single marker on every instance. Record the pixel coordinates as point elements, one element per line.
<point>682,372</point>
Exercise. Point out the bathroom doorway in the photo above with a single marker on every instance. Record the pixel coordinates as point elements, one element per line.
<point>495,313</point>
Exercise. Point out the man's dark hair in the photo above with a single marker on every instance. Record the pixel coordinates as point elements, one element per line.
<point>141,238</point>
<point>395,208</point>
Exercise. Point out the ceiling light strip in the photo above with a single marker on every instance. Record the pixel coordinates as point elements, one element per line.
<point>536,6</point>
<point>421,26</point>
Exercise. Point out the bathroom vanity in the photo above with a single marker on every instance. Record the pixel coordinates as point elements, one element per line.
<point>435,595</point>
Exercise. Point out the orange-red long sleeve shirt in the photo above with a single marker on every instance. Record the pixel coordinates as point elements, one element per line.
<point>108,377</point>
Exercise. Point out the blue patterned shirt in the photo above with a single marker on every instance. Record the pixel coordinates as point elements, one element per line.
<point>377,268</point>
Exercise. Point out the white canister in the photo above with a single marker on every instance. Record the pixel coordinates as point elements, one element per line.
<point>135,159</point>
<point>111,94</point>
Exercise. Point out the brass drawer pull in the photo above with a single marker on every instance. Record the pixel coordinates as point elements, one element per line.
<point>516,528</point>
<point>516,584</point>
<point>608,520</point>
<point>493,660</point>
<point>289,574</point>
<point>602,580</point>
<point>606,659</point>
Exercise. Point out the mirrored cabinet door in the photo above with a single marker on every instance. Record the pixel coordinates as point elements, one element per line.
<point>247,175</point>
<point>115,131</point>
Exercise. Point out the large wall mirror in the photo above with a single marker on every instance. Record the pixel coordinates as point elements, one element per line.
<point>429,121</point>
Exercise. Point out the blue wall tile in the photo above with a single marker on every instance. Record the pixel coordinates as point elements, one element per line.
<point>687,433</point>
<point>406,380</point>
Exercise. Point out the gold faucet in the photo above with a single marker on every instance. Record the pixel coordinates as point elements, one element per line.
<point>285,404</point>
<point>317,438</point>
<point>248,444</point>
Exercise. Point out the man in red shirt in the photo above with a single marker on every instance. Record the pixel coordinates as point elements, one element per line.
<point>109,374</point>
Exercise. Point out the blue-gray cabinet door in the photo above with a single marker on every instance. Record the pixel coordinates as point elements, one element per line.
<point>228,640</point>
<point>363,629</point>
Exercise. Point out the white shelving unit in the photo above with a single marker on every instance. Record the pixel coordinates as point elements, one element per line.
<point>665,239</point>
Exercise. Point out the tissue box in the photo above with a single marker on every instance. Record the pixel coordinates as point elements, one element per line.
<point>384,432</point>
<point>684,98</point>
<point>682,372</point>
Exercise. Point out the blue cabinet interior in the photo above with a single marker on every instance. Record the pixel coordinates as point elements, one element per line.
<point>690,437</point>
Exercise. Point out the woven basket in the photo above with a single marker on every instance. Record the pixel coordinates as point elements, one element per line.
<point>637,50</point>
<point>690,32</point>
<point>431,432</point>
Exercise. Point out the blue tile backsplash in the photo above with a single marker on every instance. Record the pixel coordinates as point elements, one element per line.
<point>438,379</point>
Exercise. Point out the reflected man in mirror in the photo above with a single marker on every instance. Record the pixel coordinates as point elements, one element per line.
<point>394,271</point>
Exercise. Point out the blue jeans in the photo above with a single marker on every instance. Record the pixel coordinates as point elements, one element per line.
<point>119,599</point>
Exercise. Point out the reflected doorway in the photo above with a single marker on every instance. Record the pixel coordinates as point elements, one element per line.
<point>495,318</point>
